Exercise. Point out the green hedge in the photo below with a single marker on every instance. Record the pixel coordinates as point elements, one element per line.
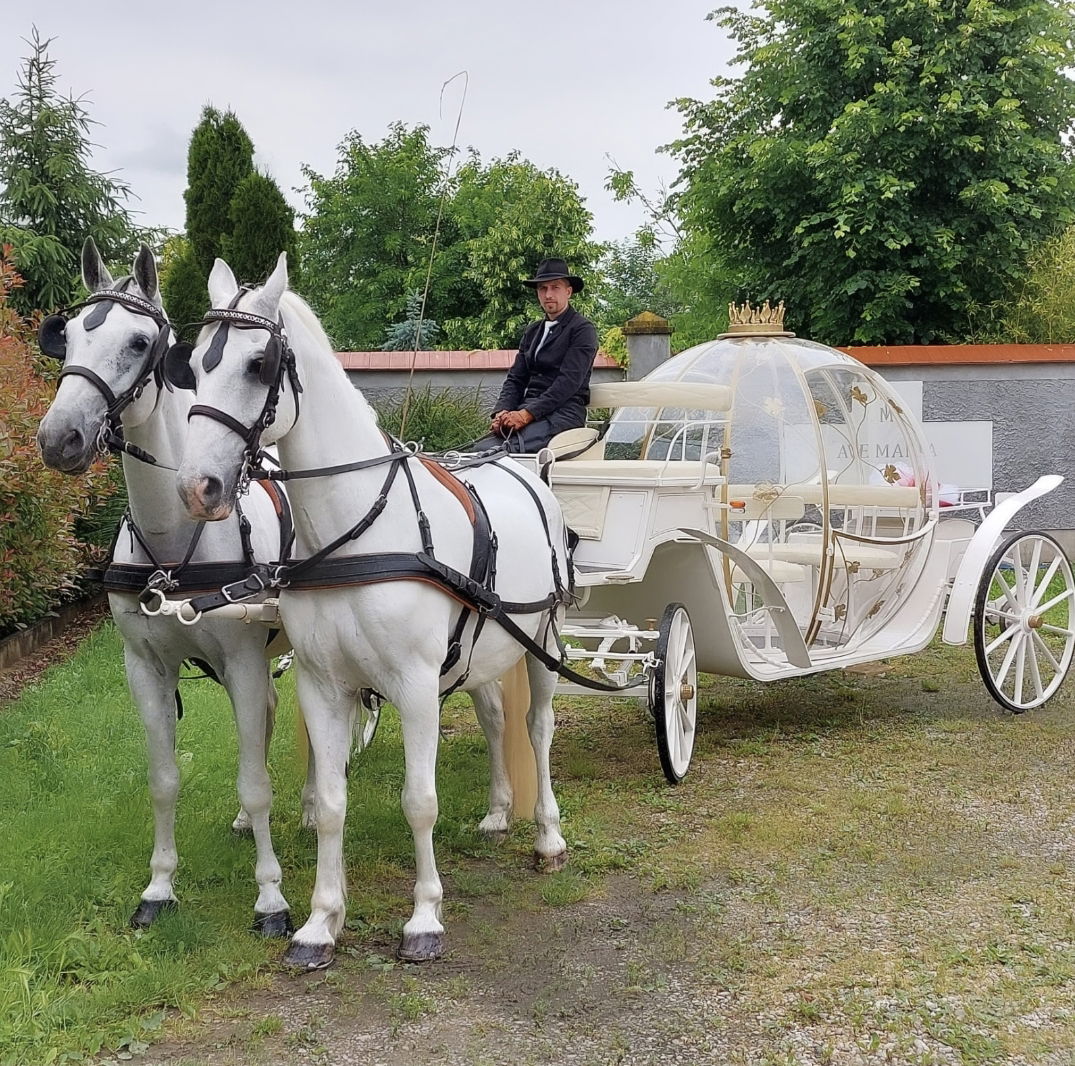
<point>40,556</point>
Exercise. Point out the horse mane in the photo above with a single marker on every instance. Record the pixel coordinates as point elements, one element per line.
<point>294,308</point>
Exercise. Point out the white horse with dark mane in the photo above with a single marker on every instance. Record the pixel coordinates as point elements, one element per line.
<point>111,393</point>
<point>362,599</point>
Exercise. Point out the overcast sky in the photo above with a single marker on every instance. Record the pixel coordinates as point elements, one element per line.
<point>568,84</point>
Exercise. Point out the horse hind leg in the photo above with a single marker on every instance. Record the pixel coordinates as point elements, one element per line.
<point>488,706</point>
<point>550,849</point>
<point>242,824</point>
<point>250,688</point>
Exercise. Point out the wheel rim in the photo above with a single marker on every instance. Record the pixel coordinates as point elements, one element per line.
<point>1024,633</point>
<point>680,695</point>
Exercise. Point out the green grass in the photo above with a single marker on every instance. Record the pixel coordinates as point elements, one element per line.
<point>879,861</point>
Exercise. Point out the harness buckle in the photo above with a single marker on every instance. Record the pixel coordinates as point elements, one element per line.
<point>162,581</point>
<point>278,577</point>
<point>250,586</point>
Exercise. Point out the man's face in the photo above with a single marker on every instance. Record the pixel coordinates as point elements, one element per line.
<point>554,296</point>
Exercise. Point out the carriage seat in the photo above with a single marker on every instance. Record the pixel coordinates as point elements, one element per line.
<point>657,473</point>
<point>780,570</point>
<point>805,549</point>
<point>584,442</point>
<point>757,499</point>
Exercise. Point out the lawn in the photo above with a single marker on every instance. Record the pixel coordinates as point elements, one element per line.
<point>878,864</point>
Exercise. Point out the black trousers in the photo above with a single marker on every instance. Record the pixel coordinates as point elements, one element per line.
<point>537,434</point>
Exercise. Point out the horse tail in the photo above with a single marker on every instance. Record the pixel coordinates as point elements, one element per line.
<point>518,751</point>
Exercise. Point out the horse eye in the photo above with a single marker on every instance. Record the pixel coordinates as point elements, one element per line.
<point>254,366</point>
<point>140,343</point>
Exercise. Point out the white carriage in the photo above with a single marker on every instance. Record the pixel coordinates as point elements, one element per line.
<point>762,506</point>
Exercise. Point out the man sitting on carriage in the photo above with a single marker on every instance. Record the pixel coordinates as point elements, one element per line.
<point>548,386</point>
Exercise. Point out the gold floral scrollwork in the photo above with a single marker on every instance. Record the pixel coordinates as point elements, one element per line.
<point>895,407</point>
<point>725,453</point>
<point>767,492</point>
<point>840,612</point>
<point>853,566</point>
<point>875,608</point>
<point>890,474</point>
<point>859,395</point>
<point>820,408</point>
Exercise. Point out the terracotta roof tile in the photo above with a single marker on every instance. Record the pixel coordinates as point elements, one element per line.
<point>962,354</point>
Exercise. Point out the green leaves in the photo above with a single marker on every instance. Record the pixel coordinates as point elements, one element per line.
<point>909,155</point>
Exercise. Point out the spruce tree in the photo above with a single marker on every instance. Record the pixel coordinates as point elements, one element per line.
<point>262,226</point>
<point>50,198</point>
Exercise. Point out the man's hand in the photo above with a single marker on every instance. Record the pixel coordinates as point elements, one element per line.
<point>513,419</point>
<point>498,418</point>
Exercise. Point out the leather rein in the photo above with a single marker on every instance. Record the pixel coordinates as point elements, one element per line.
<point>475,590</point>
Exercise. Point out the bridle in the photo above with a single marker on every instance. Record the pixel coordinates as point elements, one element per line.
<point>277,359</point>
<point>52,340</point>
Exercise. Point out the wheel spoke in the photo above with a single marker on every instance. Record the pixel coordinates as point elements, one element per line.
<point>1049,604</point>
<point>1035,670</point>
<point>1009,657</point>
<point>1059,630</point>
<point>1006,635</point>
<point>1043,584</point>
<point>1046,650</point>
<point>1020,670</point>
<point>1007,589</point>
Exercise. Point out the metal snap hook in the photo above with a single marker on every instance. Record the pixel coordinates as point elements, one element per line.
<point>145,600</point>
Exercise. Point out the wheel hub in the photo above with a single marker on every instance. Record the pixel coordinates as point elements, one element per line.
<point>686,692</point>
<point>1035,621</point>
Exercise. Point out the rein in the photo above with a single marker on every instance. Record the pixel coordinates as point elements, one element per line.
<point>475,590</point>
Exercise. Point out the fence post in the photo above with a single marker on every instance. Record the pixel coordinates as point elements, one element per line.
<point>649,343</point>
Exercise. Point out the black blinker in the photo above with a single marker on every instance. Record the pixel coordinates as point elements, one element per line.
<point>177,371</point>
<point>52,336</point>
<point>270,362</point>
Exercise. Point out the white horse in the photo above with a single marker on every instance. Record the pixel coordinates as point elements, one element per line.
<point>112,350</point>
<point>267,367</point>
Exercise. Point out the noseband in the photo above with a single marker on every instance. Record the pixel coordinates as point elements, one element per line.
<point>53,342</point>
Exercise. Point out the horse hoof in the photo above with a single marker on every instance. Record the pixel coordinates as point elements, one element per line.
<point>242,830</point>
<point>275,926</point>
<point>550,864</point>
<point>421,947</point>
<point>149,910</point>
<point>309,956</point>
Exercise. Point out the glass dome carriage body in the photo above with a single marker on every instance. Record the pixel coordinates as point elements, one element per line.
<point>827,486</point>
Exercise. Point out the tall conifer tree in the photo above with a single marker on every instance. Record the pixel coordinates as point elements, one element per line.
<point>50,198</point>
<point>220,156</point>
<point>262,226</point>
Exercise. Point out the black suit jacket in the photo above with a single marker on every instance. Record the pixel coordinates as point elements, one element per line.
<point>543,382</point>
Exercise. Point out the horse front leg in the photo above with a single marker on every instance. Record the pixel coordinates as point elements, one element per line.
<point>419,713</point>
<point>152,685</point>
<point>489,708</point>
<point>249,685</point>
<point>327,712</point>
<point>550,849</point>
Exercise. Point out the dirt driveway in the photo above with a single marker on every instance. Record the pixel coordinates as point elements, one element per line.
<point>859,870</point>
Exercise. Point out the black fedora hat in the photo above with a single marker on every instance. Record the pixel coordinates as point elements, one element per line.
<point>550,270</point>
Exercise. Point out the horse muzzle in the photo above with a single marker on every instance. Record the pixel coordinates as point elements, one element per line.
<point>65,449</point>
<point>207,499</point>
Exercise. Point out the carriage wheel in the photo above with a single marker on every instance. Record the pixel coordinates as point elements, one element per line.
<point>673,692</point>
<point>1024,621</point>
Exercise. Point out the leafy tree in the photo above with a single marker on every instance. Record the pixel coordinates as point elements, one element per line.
<point>262,226</point>
<point>509,216</point>
<point>628,282</point>
<point>414,332</point>
<point>50,198</point>
<point>368,232</point>
<point>1043,311</point>
<point>883,168</point>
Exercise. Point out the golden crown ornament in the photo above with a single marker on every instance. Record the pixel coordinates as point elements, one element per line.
<point>745,320</point>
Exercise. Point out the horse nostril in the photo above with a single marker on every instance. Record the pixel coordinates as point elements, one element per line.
<point>72,442</point>
<point>212,490</point>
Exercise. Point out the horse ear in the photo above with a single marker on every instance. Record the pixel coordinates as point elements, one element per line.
<point>268,298</point>
<point>145,272</point>
<point>95,275</point>
<point>222,284</point>
<point>177,370</point>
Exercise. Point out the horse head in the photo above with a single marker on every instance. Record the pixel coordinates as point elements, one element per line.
<point>111,346</point>
<point>244,373</point>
